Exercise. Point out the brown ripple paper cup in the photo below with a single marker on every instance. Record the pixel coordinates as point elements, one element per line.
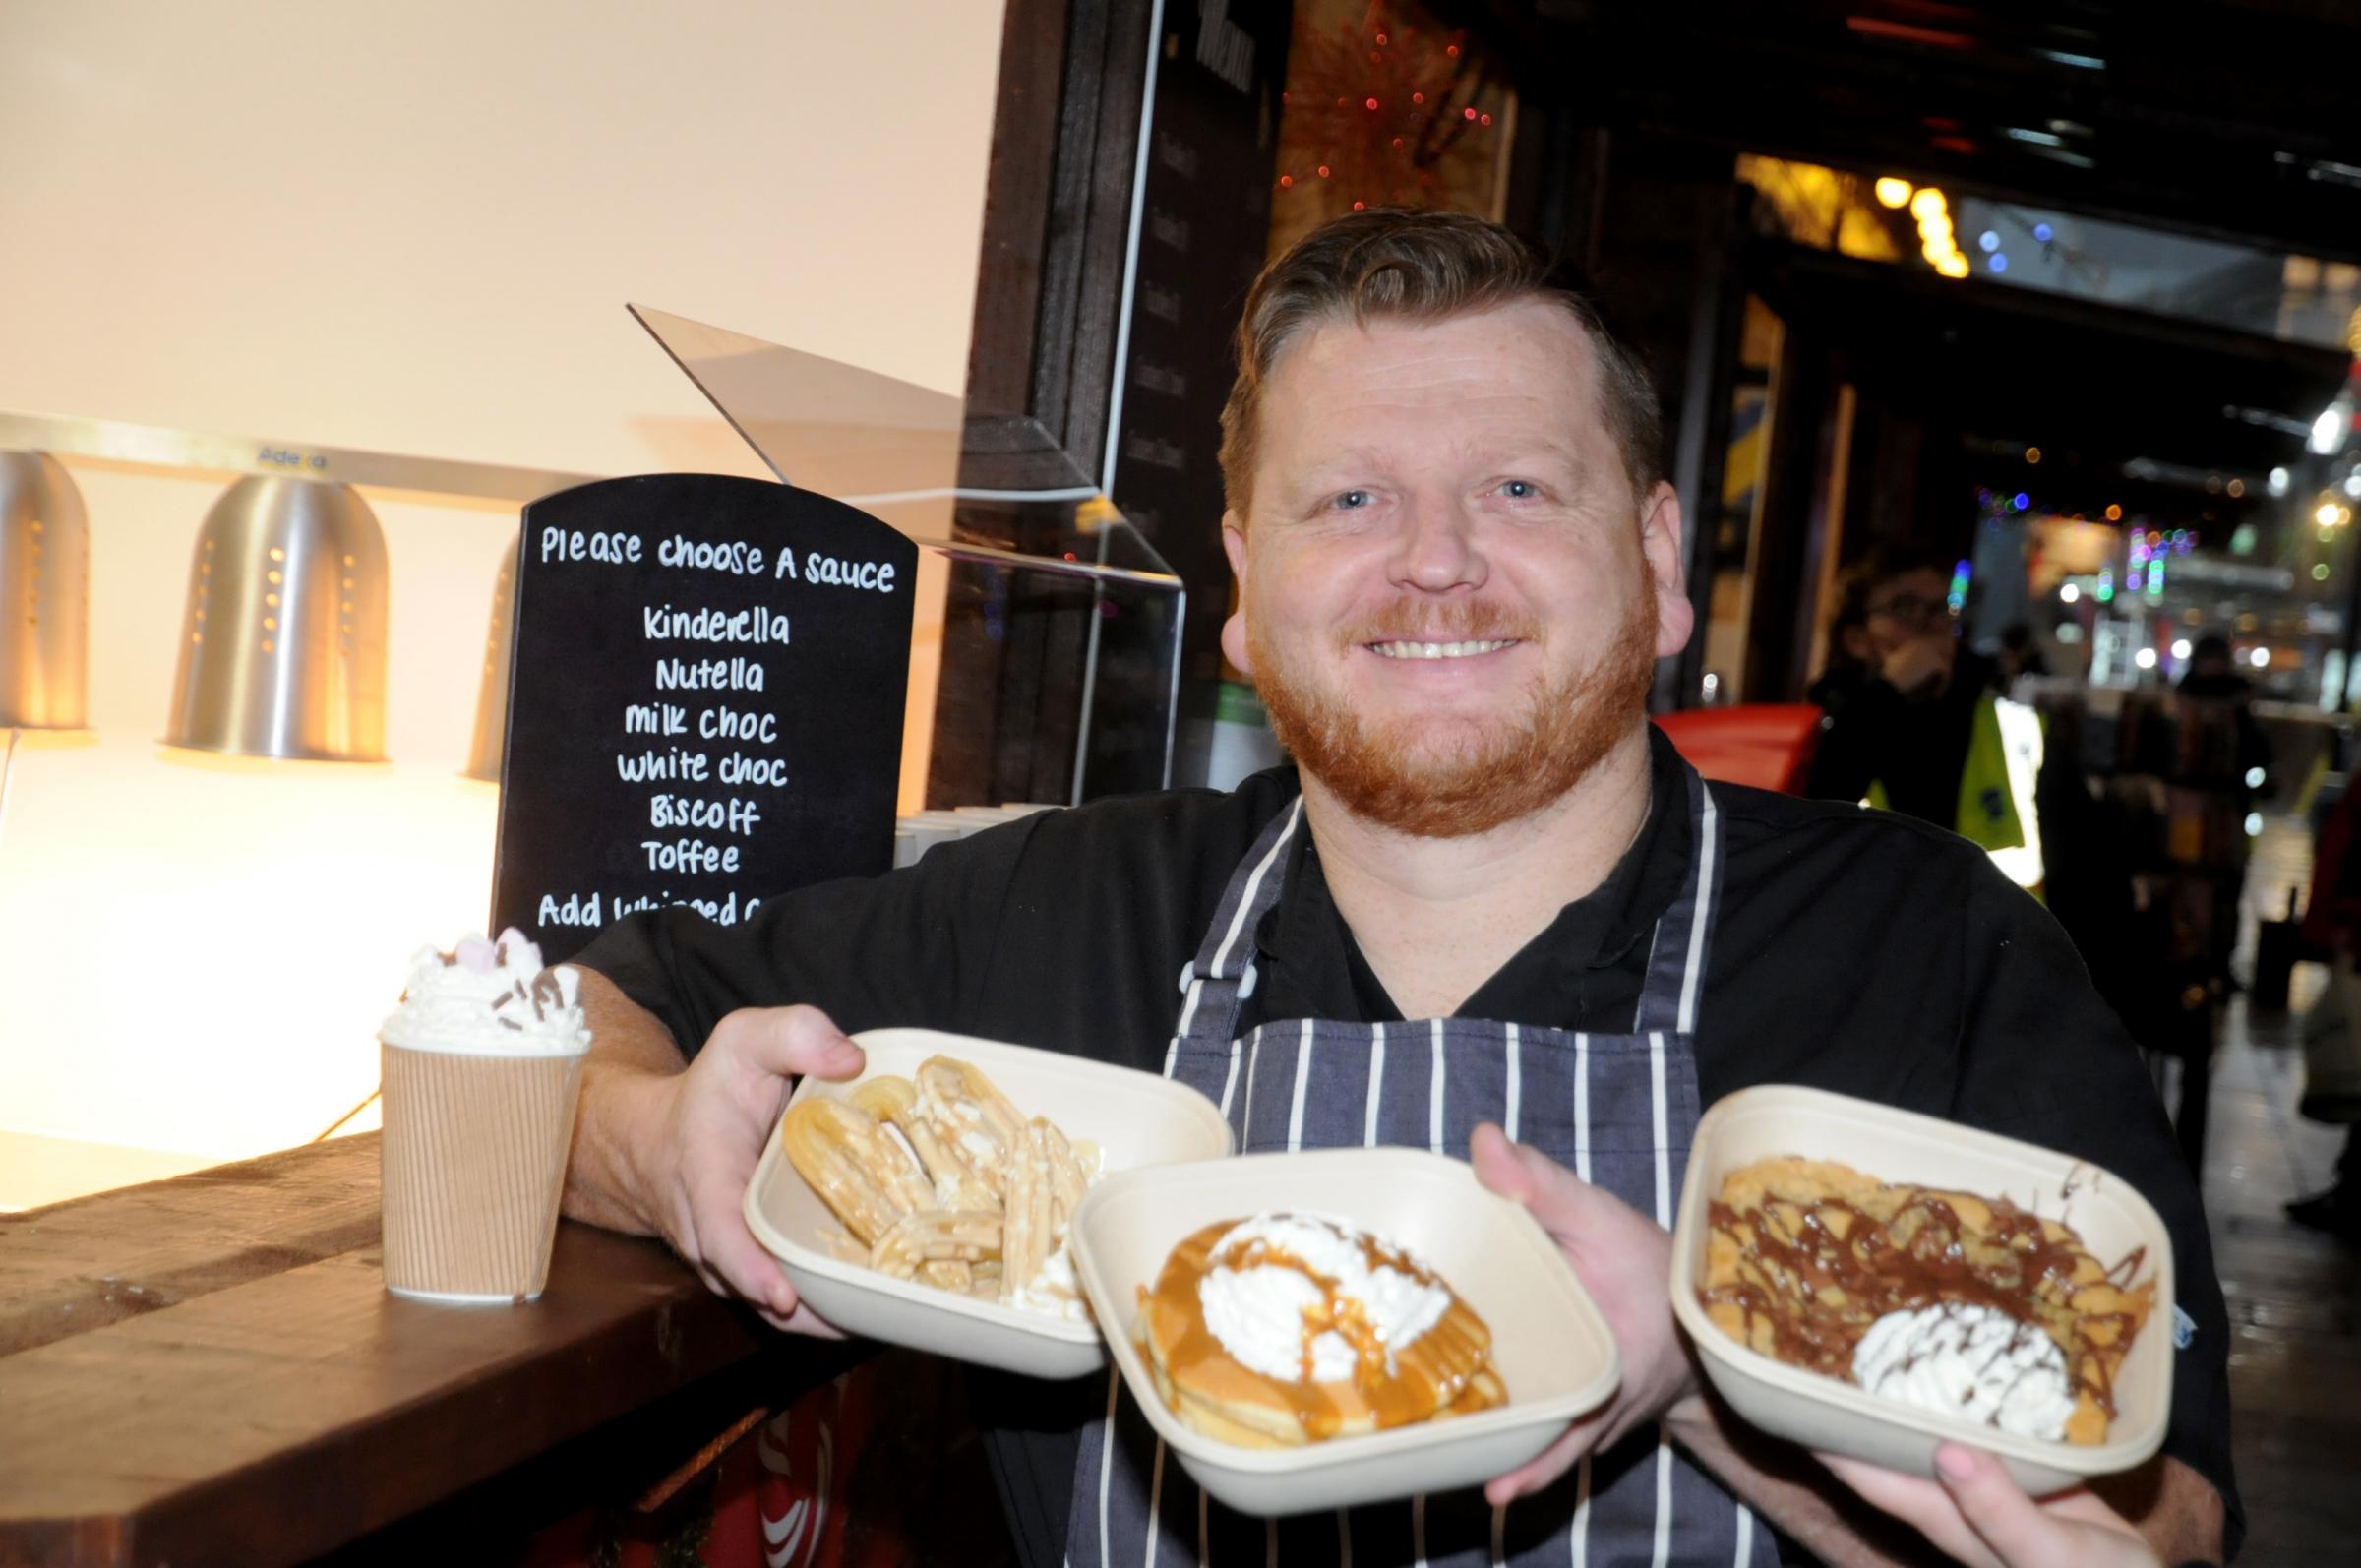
<point>473,1163</point>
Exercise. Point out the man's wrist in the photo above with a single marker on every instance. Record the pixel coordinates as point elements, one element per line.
<point>1689,1419</point>
<point>617,1126</point>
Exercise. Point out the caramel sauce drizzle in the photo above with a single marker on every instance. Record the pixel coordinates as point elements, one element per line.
<point>1403,1384</point>
<point>1918,1259</point>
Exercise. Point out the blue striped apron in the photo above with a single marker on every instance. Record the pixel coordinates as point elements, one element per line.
<point>1618,1110</point>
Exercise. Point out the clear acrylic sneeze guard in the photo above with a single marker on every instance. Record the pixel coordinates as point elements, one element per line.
<point>1059,625</point>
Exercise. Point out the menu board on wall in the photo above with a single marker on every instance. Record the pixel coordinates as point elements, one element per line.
<point>705,705</point>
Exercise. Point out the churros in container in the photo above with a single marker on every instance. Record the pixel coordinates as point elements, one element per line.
<point>927,1202</point>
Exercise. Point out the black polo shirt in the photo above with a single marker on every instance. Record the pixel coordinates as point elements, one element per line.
<point>1863,952</point>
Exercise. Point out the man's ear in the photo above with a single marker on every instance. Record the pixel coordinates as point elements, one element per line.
<point>1233,629</point>
<point>1662,532</point>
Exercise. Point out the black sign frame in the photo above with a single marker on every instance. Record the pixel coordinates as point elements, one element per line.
<point>705,701</point>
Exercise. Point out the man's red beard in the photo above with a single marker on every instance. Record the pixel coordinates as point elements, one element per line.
<point>1477,785</point>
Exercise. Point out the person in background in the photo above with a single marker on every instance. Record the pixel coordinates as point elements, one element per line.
<point>2332,925</point>
<point>1915,728</point>
<point>2244,750</point>
<point>1847,671</point>
<point>2224,761</point>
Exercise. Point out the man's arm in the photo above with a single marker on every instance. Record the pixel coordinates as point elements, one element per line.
<point>693,1056</point>
<point>2043,1058</point>
<point>632,1059</point>
<point>663,1147</point>
<point>2176,1511</point>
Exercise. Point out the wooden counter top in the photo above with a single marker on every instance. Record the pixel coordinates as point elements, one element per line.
<point>210,1368</point>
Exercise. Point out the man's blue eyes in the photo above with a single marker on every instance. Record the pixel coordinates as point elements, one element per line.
<point>1514,489</point>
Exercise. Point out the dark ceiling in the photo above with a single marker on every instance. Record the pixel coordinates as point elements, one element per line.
<point>2237,119</point>
<point>2231,119</point>
<point>2106,384</point>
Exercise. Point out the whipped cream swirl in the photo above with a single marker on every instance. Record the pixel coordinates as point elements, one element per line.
<point>1262,1308</point>
<point>489,998</point>
<point>1960,1358</point>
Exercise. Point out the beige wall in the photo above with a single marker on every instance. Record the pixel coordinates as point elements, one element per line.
<point>405,227</point>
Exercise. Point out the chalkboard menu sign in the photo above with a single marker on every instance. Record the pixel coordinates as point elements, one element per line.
<point>705,705</point>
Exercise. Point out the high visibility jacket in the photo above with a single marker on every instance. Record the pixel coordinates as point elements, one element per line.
<point>1995,809</point>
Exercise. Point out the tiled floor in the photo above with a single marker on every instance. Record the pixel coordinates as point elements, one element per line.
<point>2294,1295</point>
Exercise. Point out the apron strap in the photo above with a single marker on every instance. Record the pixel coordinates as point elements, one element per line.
<point>1676,956</point>
<point>1222,975</point>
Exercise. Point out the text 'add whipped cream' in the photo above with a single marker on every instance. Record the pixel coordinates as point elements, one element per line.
<point>489,998</point>
<point>1960,1358</point>
<point>1278,1277</point>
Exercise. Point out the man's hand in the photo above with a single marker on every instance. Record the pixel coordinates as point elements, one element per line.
<point>1922,666</point>
<point>711,1135</point>
<point>1973,1512</point>
<point>1625,1260</point>
<point>663,1150</point>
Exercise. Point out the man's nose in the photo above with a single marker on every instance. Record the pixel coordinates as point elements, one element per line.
<point>1437,549</point>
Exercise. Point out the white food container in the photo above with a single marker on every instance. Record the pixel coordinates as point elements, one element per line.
<point>1550,1346</point>
<point>1902,1147</point>
<point>1136,1118</point>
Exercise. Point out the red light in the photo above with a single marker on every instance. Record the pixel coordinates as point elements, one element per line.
<point>1486,119</point>
<point>1359,205</point>
<point>1467,113</point>
<point>1286,180</point>
<point>1452,51</point>
<point>1418,97</point>
<point>1323,171</point>
<point>1903,31</point>
<point>1381,40</point>
<point>1369,103</point>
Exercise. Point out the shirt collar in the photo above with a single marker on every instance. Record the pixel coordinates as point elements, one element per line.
<point>1306,939</point>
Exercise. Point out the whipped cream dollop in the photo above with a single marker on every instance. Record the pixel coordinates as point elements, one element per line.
<point>1266,1291</point>
<point>489,998</point>
<point>1960,1358</point>
<point>1054,1291</point>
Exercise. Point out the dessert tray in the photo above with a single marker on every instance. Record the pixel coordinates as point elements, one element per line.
<point>1898,1147</point>
<point>1550,1346</point>
<point>1135,1119</point>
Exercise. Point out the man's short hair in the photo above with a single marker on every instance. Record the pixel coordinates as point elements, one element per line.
<point>1393,263</point>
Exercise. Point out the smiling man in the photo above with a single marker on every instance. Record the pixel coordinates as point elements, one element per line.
<point>1487,911</point>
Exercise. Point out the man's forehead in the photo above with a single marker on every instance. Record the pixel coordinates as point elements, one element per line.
<point>1335,375</point>
<point>1546,327</point>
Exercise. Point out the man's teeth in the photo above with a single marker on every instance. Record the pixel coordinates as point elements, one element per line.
<point>1439,650</point>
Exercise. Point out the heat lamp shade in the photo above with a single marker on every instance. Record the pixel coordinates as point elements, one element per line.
<point>282,646</point>
<point>44,596</point>
<point>490,741</point>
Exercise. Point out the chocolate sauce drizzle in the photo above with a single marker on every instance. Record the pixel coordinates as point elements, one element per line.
<point>1918,1259</point>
